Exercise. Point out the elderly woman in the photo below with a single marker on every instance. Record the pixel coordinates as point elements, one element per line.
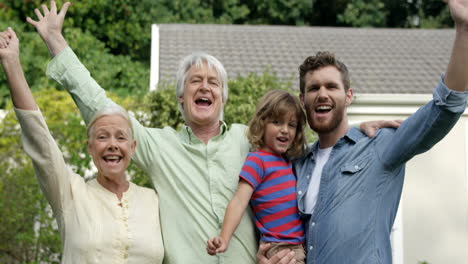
<point>104,220</point>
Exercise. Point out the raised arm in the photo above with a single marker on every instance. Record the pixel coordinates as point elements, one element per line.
<point>456,77</point>
<point>9,55</point>
<point>434,120</point>
<point>49,166</point>
<point>49,26</point>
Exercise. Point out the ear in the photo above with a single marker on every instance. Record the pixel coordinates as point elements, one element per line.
<point>89,147</point>
<point>181,99</point>
<point>301,97</point>
<point>349,97</point>
<point>133,146</point>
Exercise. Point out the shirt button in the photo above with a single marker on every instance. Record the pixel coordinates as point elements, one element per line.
<point>356,167</point>
<point>311,247</point>
<point>299,192</point>
<point>312,224</point>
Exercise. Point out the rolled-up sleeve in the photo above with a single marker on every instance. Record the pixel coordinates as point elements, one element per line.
<point>451,100</point>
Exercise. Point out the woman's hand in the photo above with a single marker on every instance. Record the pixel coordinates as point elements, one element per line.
<point>9,45</point>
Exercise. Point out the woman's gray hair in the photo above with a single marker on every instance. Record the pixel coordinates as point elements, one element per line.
<point>197,59</point>
<point>109,111</point>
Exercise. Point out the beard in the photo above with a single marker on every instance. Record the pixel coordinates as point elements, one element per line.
<point>328,125</point>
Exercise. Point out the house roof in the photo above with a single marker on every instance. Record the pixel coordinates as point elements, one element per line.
<point>380,60</point>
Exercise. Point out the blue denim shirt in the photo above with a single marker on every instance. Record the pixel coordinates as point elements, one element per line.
<point>362,181</point>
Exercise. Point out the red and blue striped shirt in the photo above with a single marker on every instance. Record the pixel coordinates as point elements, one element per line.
<point>274,198</point>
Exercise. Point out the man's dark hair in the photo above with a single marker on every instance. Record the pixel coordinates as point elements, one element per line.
<point>320,60</point>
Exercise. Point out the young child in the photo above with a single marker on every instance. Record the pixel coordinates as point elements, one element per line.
<point>276,132</point>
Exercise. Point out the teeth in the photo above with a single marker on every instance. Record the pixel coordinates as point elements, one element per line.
<point>324,107</point>
<point>112,158</point>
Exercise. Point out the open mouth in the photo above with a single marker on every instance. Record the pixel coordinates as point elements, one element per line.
<point>282,139</point>
<point>203,101</point>
<point>112,159</point>
<point>322,109</point>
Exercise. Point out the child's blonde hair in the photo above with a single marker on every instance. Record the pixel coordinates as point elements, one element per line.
<point>273,106</point>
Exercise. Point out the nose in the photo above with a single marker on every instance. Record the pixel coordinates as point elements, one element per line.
<point>322,93</point>
<point>112,144</point>
<point>284,128</point>
<point>204,84</point>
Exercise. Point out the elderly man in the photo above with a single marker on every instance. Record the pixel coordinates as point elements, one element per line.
<point>349,185</point>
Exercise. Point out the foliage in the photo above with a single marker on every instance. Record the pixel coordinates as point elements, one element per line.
<point>118,74</point>
<point>360,13</point>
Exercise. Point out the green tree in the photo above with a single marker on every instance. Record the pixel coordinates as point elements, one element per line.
<point>362,13</point>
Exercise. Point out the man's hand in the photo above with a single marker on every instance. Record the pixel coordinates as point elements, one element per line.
<point>370,127</point>
<point>9,45</point>
<point>284,256</point>
<point>216,245</point>
<point>49,26</point>
<point>459,11</point>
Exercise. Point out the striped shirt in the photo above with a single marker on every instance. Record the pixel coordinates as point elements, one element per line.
<point>274,198</point>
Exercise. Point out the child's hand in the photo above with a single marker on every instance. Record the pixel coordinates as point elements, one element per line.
<point>216,245</point>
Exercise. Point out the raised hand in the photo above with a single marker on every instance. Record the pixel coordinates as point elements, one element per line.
<point>216,245</point>
<point>459,11</point>
<point>49,26</point>
<point>9,45</point>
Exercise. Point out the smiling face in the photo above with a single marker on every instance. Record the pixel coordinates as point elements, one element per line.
<point>325,100</point>
<point>111,146</point>
<point>280,134</point>
<point>202,100</point>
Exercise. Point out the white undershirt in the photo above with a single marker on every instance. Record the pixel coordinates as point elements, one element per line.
<point>312,191</point>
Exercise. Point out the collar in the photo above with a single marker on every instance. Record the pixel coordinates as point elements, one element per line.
<point>187,135</point>
<point>352,136</point>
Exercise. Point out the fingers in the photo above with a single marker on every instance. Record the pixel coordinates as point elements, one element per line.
<point>45,10</point>
<point>12,34</point>
<point>261,253</point>
<point>285,256</point>
<point>38,14</point>
<point>53,7</point>
<point>5,38</point>
<point>32,22</point>
<point>211,247</point>
<point>64,9</point>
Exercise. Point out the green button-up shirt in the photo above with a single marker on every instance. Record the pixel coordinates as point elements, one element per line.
<point>195,181</point>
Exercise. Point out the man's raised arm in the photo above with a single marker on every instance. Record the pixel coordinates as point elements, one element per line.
<point>456,77</point>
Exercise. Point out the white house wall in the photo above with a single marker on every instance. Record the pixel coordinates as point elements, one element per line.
<point>435,195</point>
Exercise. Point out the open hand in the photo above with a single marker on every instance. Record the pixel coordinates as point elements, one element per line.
<point>49,23</point>
<point>49,26</point>
<point>216,245</point>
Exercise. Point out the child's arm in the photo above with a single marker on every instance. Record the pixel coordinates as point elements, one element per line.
<point>232,218</point>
